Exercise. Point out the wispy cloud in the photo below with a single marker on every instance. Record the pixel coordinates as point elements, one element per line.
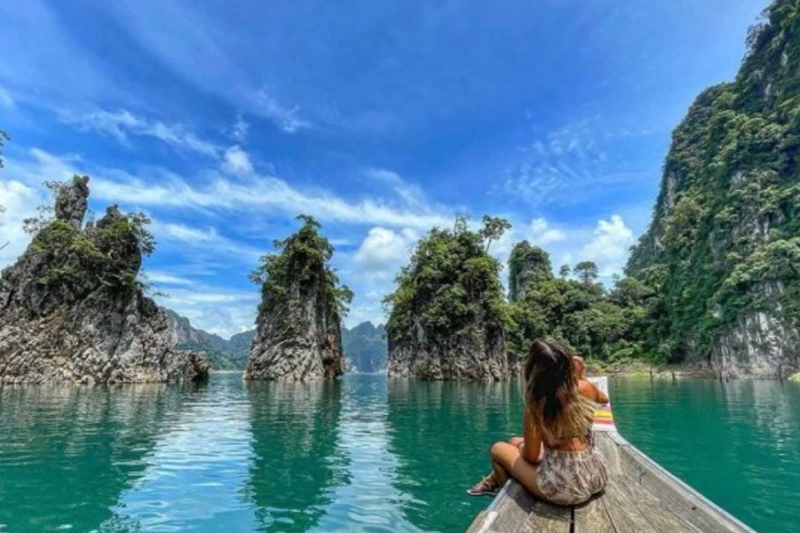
<point>122,124</point>
<point>567,165</point>
<point>6,100</point>
<point>240,129</point>
<point>259,192</point>
<point>165,278</point>
<point>204,241</point>
<point>287,118</point>
<point>250,193</point>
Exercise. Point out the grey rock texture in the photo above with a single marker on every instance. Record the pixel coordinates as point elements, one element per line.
<point>760,344</point>
<point>71,311</point>
<point>476,353</point>
<point>297,341</point>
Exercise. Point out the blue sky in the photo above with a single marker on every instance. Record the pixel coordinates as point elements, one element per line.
<point>224,119</point>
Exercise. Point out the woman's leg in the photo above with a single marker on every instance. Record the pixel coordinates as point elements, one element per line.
<point>507,461</point>
<point>513,441</point>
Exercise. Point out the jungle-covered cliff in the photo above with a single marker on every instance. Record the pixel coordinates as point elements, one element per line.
<point>299,322</point>
<point>446,319</point>
<point>72,309</point>
<point>723,248</point>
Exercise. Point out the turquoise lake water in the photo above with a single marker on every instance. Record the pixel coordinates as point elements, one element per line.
<point>364,454</point>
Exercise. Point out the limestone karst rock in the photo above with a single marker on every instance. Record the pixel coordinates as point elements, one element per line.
<point>71,309</point>
<point>298,333</point>
<point>723,248</point>
<point>446,318</point>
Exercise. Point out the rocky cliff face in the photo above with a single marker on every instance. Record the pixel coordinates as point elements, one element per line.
<point>446,318</point>
<point>473,354</point>
<point>724,245</point>
<point>298,334</point>
<point>72,311</point>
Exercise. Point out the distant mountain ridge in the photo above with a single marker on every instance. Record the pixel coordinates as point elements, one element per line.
<point>231,354</point>
<point>364,345</point>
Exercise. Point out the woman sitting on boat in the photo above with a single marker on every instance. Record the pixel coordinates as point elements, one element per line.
<point>555,460</point>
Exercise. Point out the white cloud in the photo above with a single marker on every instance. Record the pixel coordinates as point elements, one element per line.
<point>383,251</point>
<point>285,118</point>
<point>123,123</point>
<point>610,246</point>
<point>541,234</point>
<point>236,161</point>
<point>20,201</point>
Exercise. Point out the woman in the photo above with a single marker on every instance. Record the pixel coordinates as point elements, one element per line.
<point>555,460</point>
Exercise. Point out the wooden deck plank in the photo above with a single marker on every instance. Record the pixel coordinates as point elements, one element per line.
<point>661,515</point>
<point>625,516</point>
<point>592,517</point>
<point>514,509</point>
<point>546,518</point>
<point>695,509</point>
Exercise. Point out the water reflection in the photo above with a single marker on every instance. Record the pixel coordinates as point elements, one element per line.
<point>296,462</point>
<point>197,469</point>
<point>66,453</point>
<point>440,433</point>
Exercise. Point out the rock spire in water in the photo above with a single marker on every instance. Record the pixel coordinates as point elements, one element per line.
<point>446,313</point>
<point>71,309</point>
<point>298,333</point>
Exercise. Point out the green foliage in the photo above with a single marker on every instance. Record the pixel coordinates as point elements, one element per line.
<point>603,325</point>
<point>493,228</point>
<point>110,252</point>
<point>586,272</point>
<point>451,284</point>
<point>301,260</point>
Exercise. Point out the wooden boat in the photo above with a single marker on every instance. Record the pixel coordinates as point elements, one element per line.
<point>641,497</point>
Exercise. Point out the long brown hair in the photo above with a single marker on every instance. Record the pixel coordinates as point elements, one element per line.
<point>558,408</point>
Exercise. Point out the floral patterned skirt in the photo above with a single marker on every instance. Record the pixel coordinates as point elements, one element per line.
<point>570,478</point>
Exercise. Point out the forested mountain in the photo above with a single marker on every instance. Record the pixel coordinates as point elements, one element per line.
<point>365,347</point>
<point>723,249</point>
<point>224,354</point>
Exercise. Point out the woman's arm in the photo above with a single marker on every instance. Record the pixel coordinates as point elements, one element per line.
<point>591,391</point>
<point>531,449</point>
